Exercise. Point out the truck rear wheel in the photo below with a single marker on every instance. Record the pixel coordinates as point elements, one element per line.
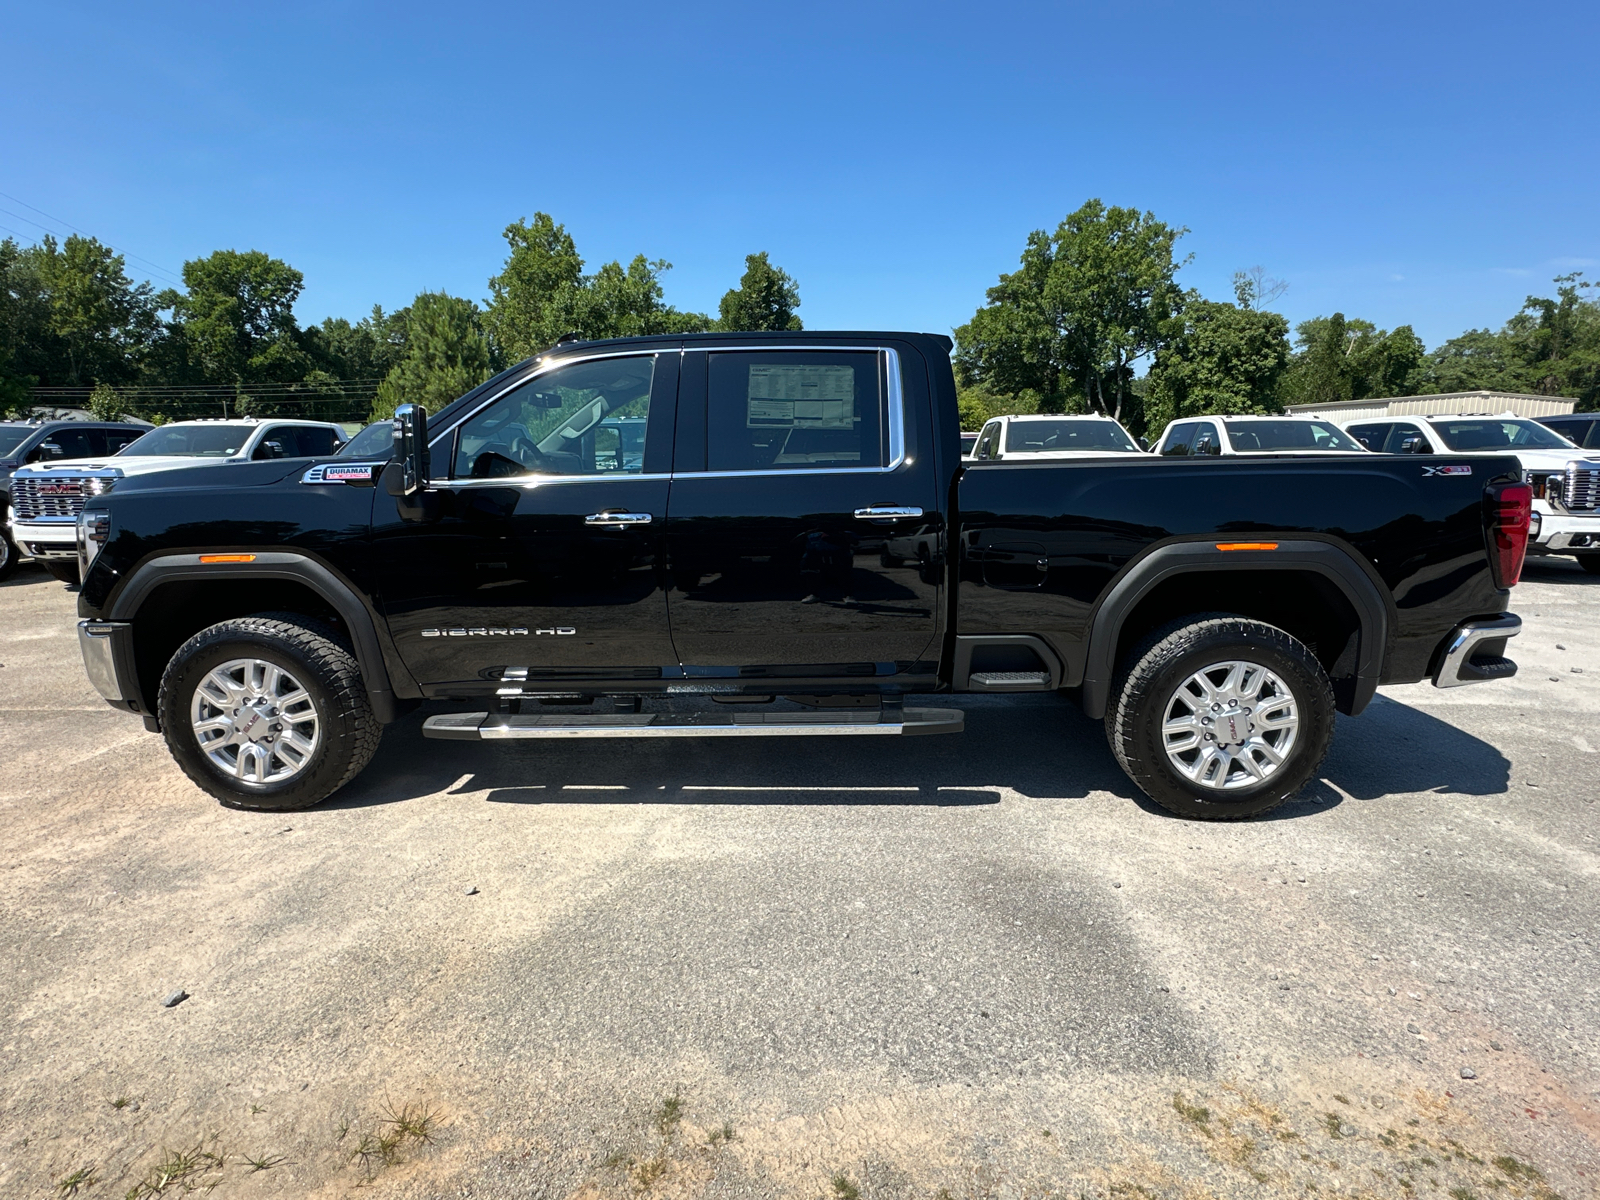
<point>64,569</point>
<point>1220,718</point>
<point>8,555</point>
<point>267,712</point>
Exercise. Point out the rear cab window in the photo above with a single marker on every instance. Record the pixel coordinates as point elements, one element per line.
<point>787,410</point>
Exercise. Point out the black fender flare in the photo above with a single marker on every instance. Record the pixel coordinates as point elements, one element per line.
<point>1334,562</point>
<point>168,568</point>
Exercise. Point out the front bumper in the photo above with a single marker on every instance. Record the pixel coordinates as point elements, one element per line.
<point>1474,652</point>
<point>1563,532</point>
<point>107,648</point>
<point>46,539</point>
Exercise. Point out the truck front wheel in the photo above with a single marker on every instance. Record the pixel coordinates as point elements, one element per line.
<point>267,712</point>
<point>1220,718</point>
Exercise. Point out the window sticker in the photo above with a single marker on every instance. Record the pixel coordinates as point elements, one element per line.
<point>799,397</point>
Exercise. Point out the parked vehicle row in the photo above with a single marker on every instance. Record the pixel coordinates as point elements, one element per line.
<point>796,524</point>
<point>48,491</point>
<point>1565,479</point>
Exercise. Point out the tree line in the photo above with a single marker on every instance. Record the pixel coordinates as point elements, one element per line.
<point>75,330</point>
<point>1093,320</point>
<point>1096,300</point>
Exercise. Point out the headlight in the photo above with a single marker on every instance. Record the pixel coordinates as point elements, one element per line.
<point>94,530</point>
<point>99,485</point>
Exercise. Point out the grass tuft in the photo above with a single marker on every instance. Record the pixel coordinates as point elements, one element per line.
<point>1519,1170</point>
<point>264,1163</point>
<point>70,1185</point>
<point>178,1172</point>
<point>1197,1115</point>
<point>721,1136</point>
<point>669,1114</point>
<point>844,1189</point>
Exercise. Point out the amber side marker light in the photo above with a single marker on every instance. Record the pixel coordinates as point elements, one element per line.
<point>227,558</point>
<point>1224,546</point>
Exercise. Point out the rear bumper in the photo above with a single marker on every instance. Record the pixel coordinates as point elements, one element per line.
<point>1474,652</point>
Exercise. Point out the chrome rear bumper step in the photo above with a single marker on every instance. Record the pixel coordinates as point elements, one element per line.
<point>482,726</point>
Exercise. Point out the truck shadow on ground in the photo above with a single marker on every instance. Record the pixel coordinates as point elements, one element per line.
<point>1559,569</point>
<point>1044,748</point>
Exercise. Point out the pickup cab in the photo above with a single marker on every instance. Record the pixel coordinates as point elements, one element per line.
<point>799,538</point>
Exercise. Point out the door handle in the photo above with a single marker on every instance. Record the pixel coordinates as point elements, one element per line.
<point>888,512</point>
<point>617,520</point>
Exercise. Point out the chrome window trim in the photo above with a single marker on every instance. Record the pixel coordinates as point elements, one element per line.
<point>894,393</point>
<point>529,482</point>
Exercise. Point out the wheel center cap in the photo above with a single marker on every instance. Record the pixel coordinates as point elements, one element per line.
<point>254,724</point>
<point>1234,728</point>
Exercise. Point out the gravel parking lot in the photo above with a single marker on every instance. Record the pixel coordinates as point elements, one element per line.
<point>975,965</point>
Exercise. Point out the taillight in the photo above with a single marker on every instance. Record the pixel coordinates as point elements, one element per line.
<point>1510,514</point>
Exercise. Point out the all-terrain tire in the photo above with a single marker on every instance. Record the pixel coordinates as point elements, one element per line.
<point>321,662</point>
<point>1144,694</point>
<point>64,569</point>
<point>8,554</point>
<point>1589,562</point>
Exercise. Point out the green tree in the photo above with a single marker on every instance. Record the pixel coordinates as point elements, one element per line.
<point>542,294</point>
<point>1087,303</point>
<point>764,301</point>
<point>103,319</point>
<point>1217,358</point>
<point>236,319</point>
<point>105,404</point>
<point>1551,347</point>
<point>447,355</point>
<point>1351,359</point>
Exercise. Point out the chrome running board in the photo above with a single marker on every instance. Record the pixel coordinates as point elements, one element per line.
<point>482,726</point>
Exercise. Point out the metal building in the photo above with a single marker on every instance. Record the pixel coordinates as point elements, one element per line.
<point>1520,403</point>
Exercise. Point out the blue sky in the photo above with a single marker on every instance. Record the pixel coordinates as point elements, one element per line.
<point>1429,164</point>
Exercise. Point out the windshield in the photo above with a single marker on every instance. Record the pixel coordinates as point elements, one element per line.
<point>375,441</point>
<point>1038,437</point>
<point>191,441</point>
<point>1487,433</point>
<point>1248,436</point>
<point>10,439</point>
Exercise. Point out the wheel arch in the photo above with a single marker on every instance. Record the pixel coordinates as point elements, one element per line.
<point>1252,582</point>
<point>203,593</point>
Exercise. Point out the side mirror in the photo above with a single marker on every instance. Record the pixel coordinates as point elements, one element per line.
<point>273,449</point>
<point>411,448</point>
<point>1413,445</point>
<point>1144,444</point>
<point>48,450</point>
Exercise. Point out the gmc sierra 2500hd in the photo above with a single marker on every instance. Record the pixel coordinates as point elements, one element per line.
<point>612,525</point>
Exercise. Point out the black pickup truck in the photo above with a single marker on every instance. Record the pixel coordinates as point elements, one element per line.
<point>782,523</point>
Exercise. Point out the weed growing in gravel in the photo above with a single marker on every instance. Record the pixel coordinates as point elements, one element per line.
<point>414,1122</point>
<point>721,1136</point>
<point>844,1189</point>
<point>382,1145</point>
<point>669,1114</point>
<point>120,1103</point>
<point>180,1171</point>
<point>83,1177</point>
<point>1518,1170</point>
<point>264,1163</point>
<point>1196,1114</point>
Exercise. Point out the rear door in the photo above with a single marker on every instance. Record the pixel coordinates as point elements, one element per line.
<point>804,533</point>
<point>538,550</point>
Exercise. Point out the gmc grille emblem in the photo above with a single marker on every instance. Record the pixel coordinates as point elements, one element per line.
<point>487,631</point>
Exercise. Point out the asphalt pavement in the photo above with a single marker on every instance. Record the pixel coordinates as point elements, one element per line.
<point>978,965</point>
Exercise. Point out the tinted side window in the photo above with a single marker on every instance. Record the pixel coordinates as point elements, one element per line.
<point>1398,434</point>
<point>1592,440</point>
<point>116,439</point>
<point>74,443</point>
<point>793,410</point>
<point>311,441</point>
<point>1370,436</point>
<point>582,419</point>
<point>1177,441</point>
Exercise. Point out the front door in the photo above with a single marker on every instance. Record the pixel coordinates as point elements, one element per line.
<point>803,539</point>
<point>539,550</point>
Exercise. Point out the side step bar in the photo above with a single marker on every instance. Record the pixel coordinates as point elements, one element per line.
<point>481,726</point>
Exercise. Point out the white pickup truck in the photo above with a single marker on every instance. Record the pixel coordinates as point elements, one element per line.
<point>1565,477</point>
<point>47,497</point>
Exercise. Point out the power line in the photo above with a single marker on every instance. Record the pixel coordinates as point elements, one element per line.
<point>159,270</point>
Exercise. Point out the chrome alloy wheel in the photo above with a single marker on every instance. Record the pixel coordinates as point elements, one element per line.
<point>254,721</point>
<point>1230,725</point>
